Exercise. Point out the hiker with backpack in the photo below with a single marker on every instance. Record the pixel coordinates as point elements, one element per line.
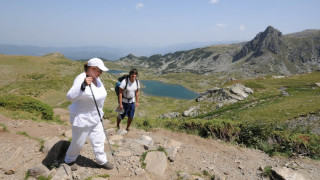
<point>128,97</point>
<point>84,117</point>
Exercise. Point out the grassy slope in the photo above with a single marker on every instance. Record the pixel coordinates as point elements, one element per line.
<point>303,98</point>
<point>48,79</point>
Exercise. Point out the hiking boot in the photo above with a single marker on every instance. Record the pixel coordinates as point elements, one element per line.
<point>106,165</point>
<point>73,166</point>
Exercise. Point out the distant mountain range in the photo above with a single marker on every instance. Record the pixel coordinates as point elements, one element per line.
<point>110,53</point>
<point>269,52</point>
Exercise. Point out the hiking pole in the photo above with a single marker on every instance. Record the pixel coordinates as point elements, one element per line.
<point>114,156</point>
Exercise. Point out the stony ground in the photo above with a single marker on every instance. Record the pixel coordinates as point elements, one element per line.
<point>194,155</point>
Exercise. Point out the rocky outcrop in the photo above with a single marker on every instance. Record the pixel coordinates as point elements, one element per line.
<point>236,92</point>
<point>269,40</point>
<point>193,111</point>
<point>221,96</point>
<point>170,115</point>
<point>307,122</point>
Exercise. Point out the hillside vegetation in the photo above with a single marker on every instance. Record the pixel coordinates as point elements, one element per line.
<point>32,86</point>
<point>264,120</point>
<point>282,116</point>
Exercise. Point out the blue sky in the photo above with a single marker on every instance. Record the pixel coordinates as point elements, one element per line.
<point>149,22</point>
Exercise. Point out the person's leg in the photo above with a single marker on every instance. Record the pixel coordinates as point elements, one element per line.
<point>121,116</point>
<point>118,121</point>
<point>130,115</point>
<point>129,123</point>
<point>97,138</point>
<point>79,136</point>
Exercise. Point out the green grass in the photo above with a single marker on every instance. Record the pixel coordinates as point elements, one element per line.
<point>101,175</point>
<point>4,127</point>
<point>27,175</point>
<point>267,171</point>
<point>41,177</point>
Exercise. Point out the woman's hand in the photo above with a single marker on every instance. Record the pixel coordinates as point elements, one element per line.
<point>88,80</point>
<point>121,106</point>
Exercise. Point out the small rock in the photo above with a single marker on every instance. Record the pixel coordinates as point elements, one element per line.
<point>9,172</point>
<point>184,175</point>
<point>122,132</point>
<point>38,170</point>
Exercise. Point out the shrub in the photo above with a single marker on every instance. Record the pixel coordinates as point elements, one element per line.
<point>253,132</point>
<point>303,144</point>
<point>267,171</point>
<point>26,103</point>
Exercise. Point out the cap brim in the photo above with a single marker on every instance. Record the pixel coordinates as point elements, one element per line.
<point>103,68</point>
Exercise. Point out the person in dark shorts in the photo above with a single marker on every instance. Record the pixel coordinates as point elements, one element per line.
<point>128,97</point>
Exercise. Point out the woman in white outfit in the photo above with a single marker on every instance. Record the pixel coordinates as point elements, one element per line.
<point>84,117</point>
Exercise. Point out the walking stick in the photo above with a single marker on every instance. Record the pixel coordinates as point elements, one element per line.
<point>114,156</point>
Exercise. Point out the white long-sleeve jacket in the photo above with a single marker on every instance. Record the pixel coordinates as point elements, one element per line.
<point>83,111</point>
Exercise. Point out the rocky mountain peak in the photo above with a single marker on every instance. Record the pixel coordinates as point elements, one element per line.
<point>269,40</point>
<point>55,55</point>
<point>131,56</point>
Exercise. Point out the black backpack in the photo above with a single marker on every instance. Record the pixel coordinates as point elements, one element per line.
<point>120,79</point>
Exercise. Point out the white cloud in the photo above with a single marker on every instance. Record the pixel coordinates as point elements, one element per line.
<point>221,25</point>
<point>214,1</point>
<point>241,27</point>
<point>139,6</point>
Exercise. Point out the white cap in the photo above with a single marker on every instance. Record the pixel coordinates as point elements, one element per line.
<point>97,62</point>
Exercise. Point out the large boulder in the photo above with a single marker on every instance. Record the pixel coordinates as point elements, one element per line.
<point>236,92</point>
<point>193,111</point>
<point>156,162</point>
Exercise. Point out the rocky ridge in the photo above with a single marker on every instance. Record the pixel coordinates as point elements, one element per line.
<point>269,40</point>
<point>269,52</point>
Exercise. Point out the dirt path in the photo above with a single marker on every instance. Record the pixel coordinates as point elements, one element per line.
<point>194,155</point>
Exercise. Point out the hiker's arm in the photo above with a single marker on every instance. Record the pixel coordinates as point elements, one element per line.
<point>75,92</point>
<point>137,98</point>
<point>120,98</point>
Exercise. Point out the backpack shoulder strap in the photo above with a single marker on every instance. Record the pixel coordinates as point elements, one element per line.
<point>126,82</point>
<point>137,84</point>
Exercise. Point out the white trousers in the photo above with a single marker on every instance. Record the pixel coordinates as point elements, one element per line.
<point>79,136</point>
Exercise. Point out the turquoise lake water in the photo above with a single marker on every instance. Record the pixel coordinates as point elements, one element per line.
<point>114,71</point>
<point>158,88</point>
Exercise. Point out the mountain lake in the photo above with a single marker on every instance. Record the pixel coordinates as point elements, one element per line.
<point>114,71</point>
<point>158,88</point>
